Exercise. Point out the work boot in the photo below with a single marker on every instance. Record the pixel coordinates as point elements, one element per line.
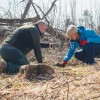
<point>12,68</point>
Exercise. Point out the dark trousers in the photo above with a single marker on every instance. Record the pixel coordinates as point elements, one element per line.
<point>13,57</point>
<point>89,52</point>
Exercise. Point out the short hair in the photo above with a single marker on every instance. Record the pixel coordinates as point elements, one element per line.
<point>42,22</point>
<point>71,29</point>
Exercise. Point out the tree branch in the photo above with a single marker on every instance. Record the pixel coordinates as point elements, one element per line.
<point>53,3</point>
<point>10,21</point>
<point>42,13</point>
<point>35,10</point>
<point>26,9</point>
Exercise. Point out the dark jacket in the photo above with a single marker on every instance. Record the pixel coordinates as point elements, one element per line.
<point>26,38</point>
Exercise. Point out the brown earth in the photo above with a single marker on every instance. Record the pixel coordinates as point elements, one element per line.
<point>77,81</point>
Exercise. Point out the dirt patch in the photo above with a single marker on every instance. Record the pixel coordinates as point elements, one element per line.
<point>77,81</point>
<point>36,70</point>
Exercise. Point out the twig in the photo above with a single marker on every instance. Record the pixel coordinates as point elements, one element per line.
<point>63,84</point>
<point>68,92</point>
<point>90,83</point>
<point>94,97</point>
<point>10,83</point>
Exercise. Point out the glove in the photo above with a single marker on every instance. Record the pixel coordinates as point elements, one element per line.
<point>62,64</point>
<point>83,42</point>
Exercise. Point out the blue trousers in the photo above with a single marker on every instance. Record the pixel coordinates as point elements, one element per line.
<point>89,52</point>
<point>13,57</point>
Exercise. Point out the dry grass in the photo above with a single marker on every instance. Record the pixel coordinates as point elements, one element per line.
<point>74,82</point>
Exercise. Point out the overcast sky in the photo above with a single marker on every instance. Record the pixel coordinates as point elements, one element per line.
<point>81,5</point>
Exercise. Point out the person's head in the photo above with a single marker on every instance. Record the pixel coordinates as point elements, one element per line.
<point>42,26</point>
<point>72,32</point>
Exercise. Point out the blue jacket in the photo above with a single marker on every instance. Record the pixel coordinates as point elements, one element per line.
<point>85,34</point>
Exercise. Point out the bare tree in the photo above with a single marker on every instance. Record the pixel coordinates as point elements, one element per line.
<point>73,10</point>
<point>23,19</point>
<point>26,9</point>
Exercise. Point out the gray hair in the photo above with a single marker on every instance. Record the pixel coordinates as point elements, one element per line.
<point>42,22</point>
<point>71,29</point>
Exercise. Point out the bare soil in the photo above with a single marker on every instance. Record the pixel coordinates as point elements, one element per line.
<point>77,81</point>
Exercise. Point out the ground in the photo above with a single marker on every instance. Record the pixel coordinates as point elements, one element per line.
<point>77,81</point>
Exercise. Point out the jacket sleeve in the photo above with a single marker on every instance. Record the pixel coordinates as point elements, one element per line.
<point>36,45</point>
<point>92,36</point>
<point>71,50</point>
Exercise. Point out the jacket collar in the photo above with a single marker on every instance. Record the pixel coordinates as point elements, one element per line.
<point>36,25</point>
<point>81,32</point>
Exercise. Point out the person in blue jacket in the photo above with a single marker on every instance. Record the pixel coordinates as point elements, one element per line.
<point>86,39</point>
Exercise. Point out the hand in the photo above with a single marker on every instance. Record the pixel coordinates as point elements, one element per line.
<point>62,64</point>
<point>83,42</point>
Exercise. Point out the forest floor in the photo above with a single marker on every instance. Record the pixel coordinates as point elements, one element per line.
<point>77,81</point>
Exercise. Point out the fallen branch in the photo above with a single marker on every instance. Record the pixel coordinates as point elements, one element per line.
<point>10,21</point>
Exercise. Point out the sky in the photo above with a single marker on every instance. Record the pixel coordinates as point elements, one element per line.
<point>81,5</point>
